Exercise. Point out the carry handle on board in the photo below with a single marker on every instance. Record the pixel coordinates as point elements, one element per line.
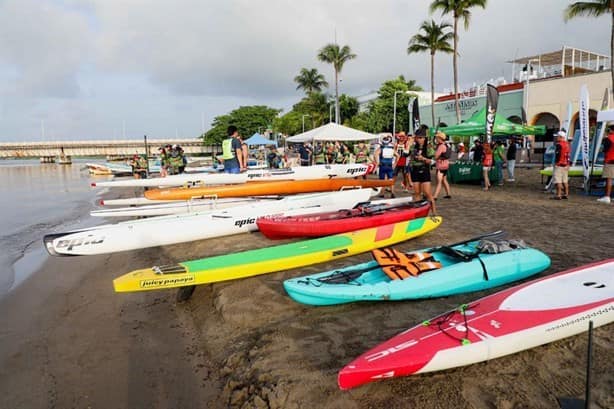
<point>369,208</point>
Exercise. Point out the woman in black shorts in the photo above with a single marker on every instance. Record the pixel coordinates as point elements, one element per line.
<point>421,162</point>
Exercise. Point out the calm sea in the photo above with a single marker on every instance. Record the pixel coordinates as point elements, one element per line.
<point>37,199</point>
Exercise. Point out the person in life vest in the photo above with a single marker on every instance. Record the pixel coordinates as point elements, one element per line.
<point>176,161</point>
<point>319,156</point>
<point>487,162</point>
<point>402,148</point>
<point>442,164</point>
<point>560,173</point>
<point>139,167</point>
<point>608,165</point>
<point>421,160</point>
<point>232,152</point>
<point>163,161</point>
<point>384,158</point>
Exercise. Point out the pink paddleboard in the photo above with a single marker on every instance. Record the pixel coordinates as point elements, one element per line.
<point>519,318</point>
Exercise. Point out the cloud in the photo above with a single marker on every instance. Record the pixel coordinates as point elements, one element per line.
<point>163,64</point>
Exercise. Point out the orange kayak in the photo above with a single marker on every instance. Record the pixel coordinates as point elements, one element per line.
<point>286,187</point>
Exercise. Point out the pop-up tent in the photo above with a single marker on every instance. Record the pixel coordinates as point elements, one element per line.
<point>476,125</point>
<point>332,132</point>
<point>257,139</point>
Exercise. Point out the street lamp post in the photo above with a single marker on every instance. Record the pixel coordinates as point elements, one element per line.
<point>330,113</point>
<point>394,113</point>
<point>303,119</point>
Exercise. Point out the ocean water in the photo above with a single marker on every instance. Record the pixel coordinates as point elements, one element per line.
<point>38,199</point>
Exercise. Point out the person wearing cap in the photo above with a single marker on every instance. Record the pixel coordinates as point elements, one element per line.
<point>460,151</point>
<point>163,161</point>
<point>422,159</point>
<point>560,174</point>
<point>442,164</point>
<point>402,148</point>
<point>608,165</point>
<point>384,157</point>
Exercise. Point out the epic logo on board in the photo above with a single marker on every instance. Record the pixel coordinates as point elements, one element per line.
<point>70,244</point>
<point>243,222</point>
<point>351,171</point>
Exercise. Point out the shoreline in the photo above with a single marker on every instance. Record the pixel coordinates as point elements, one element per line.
<point>245,343</point>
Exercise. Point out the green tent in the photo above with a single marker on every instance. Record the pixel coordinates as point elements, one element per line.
<point>476,125</point>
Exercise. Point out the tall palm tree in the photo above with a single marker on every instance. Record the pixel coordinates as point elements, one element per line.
<point>459,10</point>
<point>595,8</point>
<point>337,56</point>
<point>433,37</point>
<point>310,80</point>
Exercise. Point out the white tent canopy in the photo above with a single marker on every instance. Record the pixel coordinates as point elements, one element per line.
<point>332,132</point>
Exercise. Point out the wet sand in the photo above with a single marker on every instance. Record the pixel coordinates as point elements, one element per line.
<point>67,340</point>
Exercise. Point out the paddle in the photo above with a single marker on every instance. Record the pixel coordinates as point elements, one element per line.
<point>498,234</point>
<point>367,208</point>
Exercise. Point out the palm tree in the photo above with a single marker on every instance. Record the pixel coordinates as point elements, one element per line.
<point>459,10</point>
<point>595,8</point>
<point>337,56</point>
<point>432,38</point>
<point>310,80</point>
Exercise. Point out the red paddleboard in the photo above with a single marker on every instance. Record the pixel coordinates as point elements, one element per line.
<point>519,318</point>
<point>373,214</point>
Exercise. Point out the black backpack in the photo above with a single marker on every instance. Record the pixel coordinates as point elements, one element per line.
<point>446,153</point>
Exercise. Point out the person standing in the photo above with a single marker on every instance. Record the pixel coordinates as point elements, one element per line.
<point>478,151</point>
<point>305,152</point>
<point>163,161</point>
<point>608,165</point>
<point>442,163</point>
<point>361,153</point>
<point>232,152</point>
<point>499,157</point>
<point>560,174</point>
<point>487,162</point>
<point>402,149</point>
<point>422,159</point>
<point>319,156</point>
<point>384,159</point>
<point>461,151</point>
<point>511,160</point>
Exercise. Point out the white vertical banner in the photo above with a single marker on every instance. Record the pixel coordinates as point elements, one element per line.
<point>600,132</point>
<point>583,118</point>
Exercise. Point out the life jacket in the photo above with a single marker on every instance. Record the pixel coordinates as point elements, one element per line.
<point>609,155</point>
<point>424,151</point>
<point>227,152</point>
<point>386,155</point>
<point>402,150</point>
<point>320,157</point>
<point>398,265</point>
<point>563,158</point>
<point>362,155</point>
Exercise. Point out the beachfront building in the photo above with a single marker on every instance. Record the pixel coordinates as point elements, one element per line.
<point>542,86</point>
<point>424,98</point>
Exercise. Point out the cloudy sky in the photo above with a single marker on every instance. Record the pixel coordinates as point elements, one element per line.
<point>102,69</point>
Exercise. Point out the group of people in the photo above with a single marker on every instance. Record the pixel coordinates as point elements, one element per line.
<point>172,160</point>
<point>412,157</point>
<point>494,154</point>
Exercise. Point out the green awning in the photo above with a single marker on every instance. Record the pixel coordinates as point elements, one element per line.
<point>476,125</point>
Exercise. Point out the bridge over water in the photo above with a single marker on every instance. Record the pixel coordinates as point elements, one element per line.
<point>47,151</point>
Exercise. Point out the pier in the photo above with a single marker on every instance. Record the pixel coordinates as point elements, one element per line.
<point>48,151</point>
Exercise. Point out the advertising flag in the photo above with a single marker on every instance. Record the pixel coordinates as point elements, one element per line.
<point>415,114</point>
<point>583,118</point>
<point>492,99</point>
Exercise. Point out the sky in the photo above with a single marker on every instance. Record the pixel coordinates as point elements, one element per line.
<point>115,69</point>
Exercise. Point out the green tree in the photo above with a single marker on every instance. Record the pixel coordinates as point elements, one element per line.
<point>316,106</point>
<point>310,80</point>
<point>337,56</point>
<point>247,119</point>
<point>459,10</point>
<point>432,38</point>
<point>595,8</point>
<point>380,116</point>
<point>348,107</point>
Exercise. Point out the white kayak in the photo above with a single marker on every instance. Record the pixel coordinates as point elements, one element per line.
<point>135,201</point>
<point>164,230</point>
<point>178,207</point>
<point>295,173</point>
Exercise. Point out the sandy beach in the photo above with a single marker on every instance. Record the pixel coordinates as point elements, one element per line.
<point>68,341</point>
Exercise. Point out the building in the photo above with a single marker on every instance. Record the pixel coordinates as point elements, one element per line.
<point>424,98</point>
<point>542,85</point>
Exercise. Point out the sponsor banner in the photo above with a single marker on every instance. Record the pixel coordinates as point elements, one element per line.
<point>492,100</point>
<point>415,115</point>
<point>583,118</point>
